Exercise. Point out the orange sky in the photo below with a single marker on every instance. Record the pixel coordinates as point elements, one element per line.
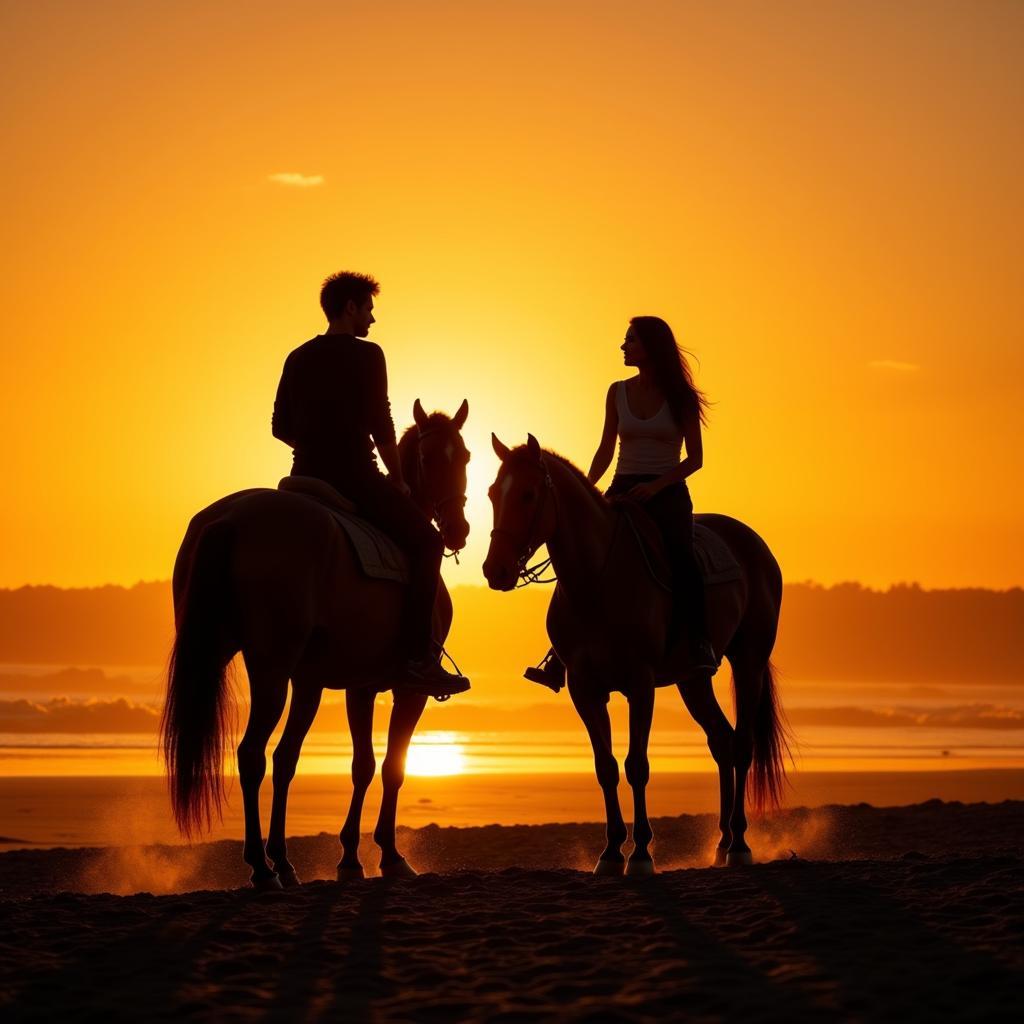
<point>823,199</point>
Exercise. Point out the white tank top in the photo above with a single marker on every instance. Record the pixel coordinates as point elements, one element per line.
<point>646,447</point>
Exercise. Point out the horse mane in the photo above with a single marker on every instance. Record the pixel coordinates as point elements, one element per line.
<point>522,454</point>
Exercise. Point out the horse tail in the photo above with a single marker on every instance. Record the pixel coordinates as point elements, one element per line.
<point>194,722</point>
<point>771,746</point>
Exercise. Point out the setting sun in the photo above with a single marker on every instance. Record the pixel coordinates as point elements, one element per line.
<point>436,753</point>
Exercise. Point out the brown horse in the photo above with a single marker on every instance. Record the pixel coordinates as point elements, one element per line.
<point>608,623</point>
<point>271,574</point>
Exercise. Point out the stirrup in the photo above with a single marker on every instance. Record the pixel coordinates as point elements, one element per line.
<point>550,672</point>
<point>443,653</point>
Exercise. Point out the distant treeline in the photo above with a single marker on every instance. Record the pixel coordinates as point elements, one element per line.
<point>844,632</point>
<point>95,626</point>
<point>905,633</point>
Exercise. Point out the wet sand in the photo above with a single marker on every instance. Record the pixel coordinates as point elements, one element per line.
<point>107,811</point>
<point>910,912</point>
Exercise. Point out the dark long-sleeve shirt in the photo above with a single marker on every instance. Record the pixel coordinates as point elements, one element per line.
<point>332,406</point>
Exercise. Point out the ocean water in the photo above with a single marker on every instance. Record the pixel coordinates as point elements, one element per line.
<point>835,727</point>
<point>436,752</point>
<point>884,744</point>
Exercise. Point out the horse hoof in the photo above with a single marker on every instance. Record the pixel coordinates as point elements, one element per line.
<point>399,869</point>
<point>350,874</point>
<point>720,858</point>
<point>640,868</point>
<point>739,858</point>
<point>272,883</point>
<point>609,868</point>
<point>289,880</point>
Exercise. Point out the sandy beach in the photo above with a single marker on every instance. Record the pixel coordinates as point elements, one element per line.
<point>866,913</point>
<point>134,811</point>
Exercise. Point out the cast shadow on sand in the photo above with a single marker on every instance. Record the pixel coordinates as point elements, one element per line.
<point>912,937</point>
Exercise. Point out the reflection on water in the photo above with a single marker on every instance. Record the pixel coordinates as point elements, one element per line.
<point>849,727</point>
<point>444,753</point>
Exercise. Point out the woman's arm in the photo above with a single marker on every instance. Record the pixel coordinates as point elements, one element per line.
<point>693,461</point>
<point>606,449</point>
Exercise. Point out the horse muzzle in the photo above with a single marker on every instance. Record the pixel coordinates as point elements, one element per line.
<point>500,575</point>
<point>455,534</point>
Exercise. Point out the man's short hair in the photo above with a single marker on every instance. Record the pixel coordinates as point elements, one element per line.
<point>339,288</point>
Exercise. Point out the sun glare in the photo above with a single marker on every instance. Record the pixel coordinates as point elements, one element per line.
<point>435,753</point>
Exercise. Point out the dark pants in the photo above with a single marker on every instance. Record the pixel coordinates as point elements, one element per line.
<point>672,511</point>
<point>379,501</point>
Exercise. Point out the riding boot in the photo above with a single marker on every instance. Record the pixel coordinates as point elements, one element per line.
<point>689,614</point>
<point>428,677</point>
<point>424,674</point>
<point>702,654</point>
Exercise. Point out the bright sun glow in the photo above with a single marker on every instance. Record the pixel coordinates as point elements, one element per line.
<point>436,753</point>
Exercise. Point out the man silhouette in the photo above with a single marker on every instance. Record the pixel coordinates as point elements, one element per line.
<point>332,408</point>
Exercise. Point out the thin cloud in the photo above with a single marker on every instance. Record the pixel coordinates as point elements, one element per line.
<point>294,180</point>
<point>70,716</point>
<point>965,716</point>
<point>894,365</point>
<point>90,681</point>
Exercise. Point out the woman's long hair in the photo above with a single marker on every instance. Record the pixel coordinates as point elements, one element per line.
<point>671,371</point>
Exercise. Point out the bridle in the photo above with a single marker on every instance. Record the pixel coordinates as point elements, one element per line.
<point>435,509</point>
<point>524,573</point>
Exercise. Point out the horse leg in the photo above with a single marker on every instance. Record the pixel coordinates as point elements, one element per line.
<point>638,773</point>
<point>748,695</point>
<point>305,703</point>
<point>359,708</point>
<point>268,691</point>
<point>699,697</point>
<point>594,713</point>
<point>405,714</point>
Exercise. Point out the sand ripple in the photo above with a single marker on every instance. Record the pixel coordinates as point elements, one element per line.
<point>913,934</point>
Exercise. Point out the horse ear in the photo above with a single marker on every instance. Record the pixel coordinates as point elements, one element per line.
<point>499,449</point>
<point>460,416</point>
<point>418,414</point>
<point>533,447</point>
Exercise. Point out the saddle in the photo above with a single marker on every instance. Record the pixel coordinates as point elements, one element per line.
<point>379,557</point>
<point>714,557</point>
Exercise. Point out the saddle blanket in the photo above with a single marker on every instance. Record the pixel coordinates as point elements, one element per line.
<point>377,554</point>
<point>716,560</point>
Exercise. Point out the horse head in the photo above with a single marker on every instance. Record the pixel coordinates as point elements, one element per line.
<point>434,460</point>
<point>524,512</point>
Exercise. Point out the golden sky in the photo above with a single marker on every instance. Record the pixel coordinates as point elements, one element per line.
<point>823,199</point>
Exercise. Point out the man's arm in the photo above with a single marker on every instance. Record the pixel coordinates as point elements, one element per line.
<point>281,425</point>
<point>393,464</point>
<point>382,426</point>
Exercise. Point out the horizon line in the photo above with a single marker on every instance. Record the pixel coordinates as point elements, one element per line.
<point>814,584</point>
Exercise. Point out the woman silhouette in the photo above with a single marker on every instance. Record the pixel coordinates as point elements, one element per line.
<point>653,415</point>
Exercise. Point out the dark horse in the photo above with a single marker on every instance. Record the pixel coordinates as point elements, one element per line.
<point>272,575</point>
<point>608,623</point>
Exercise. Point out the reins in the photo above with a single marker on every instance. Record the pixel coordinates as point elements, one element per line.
<point>532,574</point>
<point>435,508</point>
<point>436,516</point>
<point>644,552</point>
